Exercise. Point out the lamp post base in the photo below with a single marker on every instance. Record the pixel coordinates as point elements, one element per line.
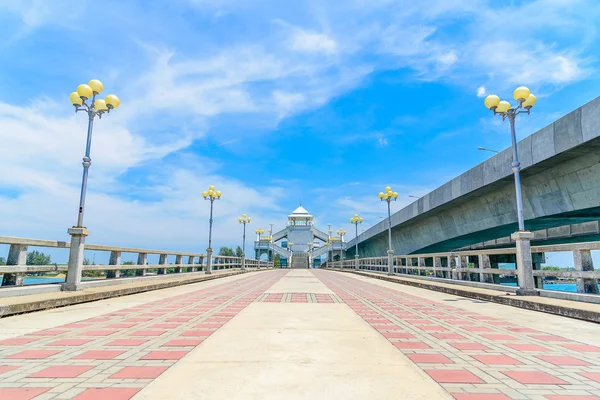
<point>75,268</point>
<point>356,262</point>
<point>524,263</point>
<point>208,269</point>
<point>390,254</point>
<point>244,262</point>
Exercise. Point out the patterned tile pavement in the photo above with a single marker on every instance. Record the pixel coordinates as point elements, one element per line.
<point>115,355</point>
<point>473,356</point>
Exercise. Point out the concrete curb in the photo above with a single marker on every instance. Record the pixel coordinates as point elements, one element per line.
<point>82,297</point>
<point>512,300</point>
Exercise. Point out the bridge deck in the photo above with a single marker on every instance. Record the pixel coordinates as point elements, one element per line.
<point>300,334</point>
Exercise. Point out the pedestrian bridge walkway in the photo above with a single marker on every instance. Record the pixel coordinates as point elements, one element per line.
<point>297,334</point>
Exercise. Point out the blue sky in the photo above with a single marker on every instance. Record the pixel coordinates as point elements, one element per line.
<point>323,102</point>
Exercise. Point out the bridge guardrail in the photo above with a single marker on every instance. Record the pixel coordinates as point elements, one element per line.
<point>14,272</point>
<point>476,265</point>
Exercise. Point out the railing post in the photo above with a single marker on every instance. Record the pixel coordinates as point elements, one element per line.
<point>452,266</point>
<point>537,259</point>
<point>421,262</point>
<point>437,266</point>
<point>191,262</point>
<point>582,260</point>
<point>524,266</point>
<point>484,263</point>
<point>75,269</point>
<point>162,260</point>
<point>17,255</point>
<point>115,259</point>
<point>464,263</point>
<point>178,262</point>
<point>201,263</point>
<point>142,260</point>
<point>409,264</point>
<point>208,269</point>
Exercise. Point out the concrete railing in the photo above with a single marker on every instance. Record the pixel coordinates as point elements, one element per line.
<point>481,266</point>
<point>14,272</point>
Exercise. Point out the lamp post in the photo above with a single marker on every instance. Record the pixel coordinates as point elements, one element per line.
<point>310,249</point>
<point>259,232</point>
<point>211,195</point>
<point>95,108</point>
<point>341,232</point>
<point>271,241</point>
<point>328,244</point>
<point>356,220</point>
<point>388,197</point>
<point>290,244</point>
<point>244,219</point>
<point>522,237</point>
<point>485,149</point>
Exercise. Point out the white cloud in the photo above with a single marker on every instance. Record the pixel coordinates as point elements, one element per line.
<point>312,42</point>
<point>382,142</point>
<point>481,91</point>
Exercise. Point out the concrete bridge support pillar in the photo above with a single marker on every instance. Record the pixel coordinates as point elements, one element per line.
<point>162,260</point>
<point>178,262</point>
<point>191,262</point>
<point>583,262</point>
<point>484,263</point>
<point>115,259</point>
<point>75,269</point>
<point>437,267</point>
<point>17,255</point>
<point>142,260</point>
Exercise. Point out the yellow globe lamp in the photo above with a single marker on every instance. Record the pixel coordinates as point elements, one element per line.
<point>249,219</point>
<point>96,86</point>
<point>112,101</point>
<point>84,91</point>
<point>491,101</point>
<point>388,189</point>
<point>100,105</point>
<point>75,99</point>
<point>381,195</point>
<point>211,187</point>
<point>218,193</point>
<point>240,220</point>
<point>529,102</point>
<point>503,107</point>
<point>211,193</point>
<point>204,194</point>
<point>521,94</point>
<point>395,195</point>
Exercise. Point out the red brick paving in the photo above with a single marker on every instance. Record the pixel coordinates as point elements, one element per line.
<point>21,393</point>
<point>107,394</point>
<point>153,333</point>
<point>478,357</point>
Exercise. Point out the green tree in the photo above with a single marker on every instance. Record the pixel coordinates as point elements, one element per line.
<point>128,272</point>
<point>277,261</point>
<point>2,261</point>
<point>37,258</point>
<point>239,252</point>
<point>226,251</point>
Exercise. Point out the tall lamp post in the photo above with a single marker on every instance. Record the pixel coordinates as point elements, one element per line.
<point>259,232</point>
<point>328,244</point>
<point>388,197</point>
<point>271,241</point>
<point>356,220</point>
<point>244,219</point>
<point>522,237</point>
<point>341,232</point>
<point>94,108</point>
<point>211,195</point>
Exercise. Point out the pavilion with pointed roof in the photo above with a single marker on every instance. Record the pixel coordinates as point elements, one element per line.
<point>300,243</point>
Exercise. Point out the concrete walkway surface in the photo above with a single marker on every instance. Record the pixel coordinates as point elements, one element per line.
<point>297,334</point>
